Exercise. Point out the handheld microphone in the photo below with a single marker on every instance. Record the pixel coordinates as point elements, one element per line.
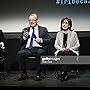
<point>25,34</point>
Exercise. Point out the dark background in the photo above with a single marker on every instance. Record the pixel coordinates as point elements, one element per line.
<point>12,46</point>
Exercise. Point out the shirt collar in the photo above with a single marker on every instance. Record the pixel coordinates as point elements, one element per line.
<point>36,27</point>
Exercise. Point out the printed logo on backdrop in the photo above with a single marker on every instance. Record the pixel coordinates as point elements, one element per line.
<point>71,2</point>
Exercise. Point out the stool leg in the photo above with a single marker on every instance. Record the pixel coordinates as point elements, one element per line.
<point>3,74</point>
<point>77,76</point>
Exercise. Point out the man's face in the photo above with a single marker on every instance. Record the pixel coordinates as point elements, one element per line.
<point>65,25</point>
<point>32,21</point>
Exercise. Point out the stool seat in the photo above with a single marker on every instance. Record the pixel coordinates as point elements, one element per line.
<point>31,57</point>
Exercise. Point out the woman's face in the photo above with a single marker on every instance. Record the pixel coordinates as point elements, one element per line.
<point>65,25</point>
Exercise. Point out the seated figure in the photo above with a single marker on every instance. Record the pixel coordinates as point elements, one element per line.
<point>66,43</point>
<point>33,41</point>
<point>2,47</point>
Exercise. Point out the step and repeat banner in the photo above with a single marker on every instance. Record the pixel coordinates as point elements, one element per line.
<point>14,14</point>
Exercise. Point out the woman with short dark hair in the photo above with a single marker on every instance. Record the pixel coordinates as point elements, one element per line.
<point>66,43</point>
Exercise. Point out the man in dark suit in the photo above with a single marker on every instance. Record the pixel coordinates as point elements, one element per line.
<point>34,41</point>
<point>2,53</point>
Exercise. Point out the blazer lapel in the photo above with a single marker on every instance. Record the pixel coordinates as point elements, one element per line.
<point>27,29</point>
<point>39,31</point>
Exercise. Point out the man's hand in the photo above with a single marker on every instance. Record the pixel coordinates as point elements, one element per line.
<point>65,49</point>
<point>25,34</point>
<point>39,40</point>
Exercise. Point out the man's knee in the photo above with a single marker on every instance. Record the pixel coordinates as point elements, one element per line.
<point>19,53</point>
<point>41,52</point>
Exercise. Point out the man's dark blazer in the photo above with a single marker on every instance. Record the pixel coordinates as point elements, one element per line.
<point>1,36</point>
<point>43,33</point>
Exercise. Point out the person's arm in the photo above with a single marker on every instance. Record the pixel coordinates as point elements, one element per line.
<point>24,37</point>
<point>57,43</point>
<point>45,37</point>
